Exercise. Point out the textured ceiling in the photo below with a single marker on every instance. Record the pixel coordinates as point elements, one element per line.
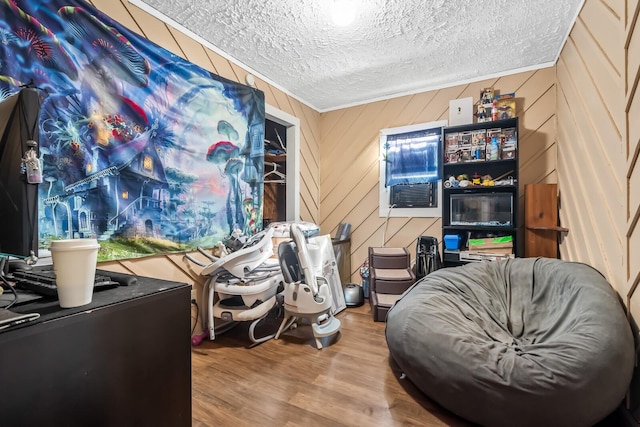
<point>393,47</point>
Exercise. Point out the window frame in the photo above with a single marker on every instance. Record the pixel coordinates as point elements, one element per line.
<point>384,196</point>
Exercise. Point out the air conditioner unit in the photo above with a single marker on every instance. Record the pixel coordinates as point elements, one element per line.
<point>413,195</point>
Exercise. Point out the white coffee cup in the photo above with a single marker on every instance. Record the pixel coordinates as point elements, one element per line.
<point>74,262</point>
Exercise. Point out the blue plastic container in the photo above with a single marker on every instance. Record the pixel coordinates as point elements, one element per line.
<point>451,242</point>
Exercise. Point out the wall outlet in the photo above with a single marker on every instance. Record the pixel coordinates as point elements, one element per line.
<point>194,295</point>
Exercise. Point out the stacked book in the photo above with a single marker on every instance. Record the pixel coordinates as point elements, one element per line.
<point>488,249</point>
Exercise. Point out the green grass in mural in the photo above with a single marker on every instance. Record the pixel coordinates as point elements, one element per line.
<point>122,248</point>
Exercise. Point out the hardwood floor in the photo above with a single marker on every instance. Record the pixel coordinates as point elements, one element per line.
<point>288,382</point>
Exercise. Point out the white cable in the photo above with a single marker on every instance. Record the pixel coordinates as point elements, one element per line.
<point>386,222</point>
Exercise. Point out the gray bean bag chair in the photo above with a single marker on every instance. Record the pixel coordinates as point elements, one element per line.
<point>526,342</point>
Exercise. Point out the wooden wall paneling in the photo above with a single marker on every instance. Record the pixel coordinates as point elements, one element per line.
<point>366,235</point>
<point>533,89</point>
<point>364,210</point>
<point>168,267</point>
<point>617,7</point>
<point>590,139</point>
<point>609,151</point>
<point>633,243</point>
<point>406,110</point>
<point>155,30</point>
<point>633,174</point>
<point>605,27</point>
<point>418,109</point>
<point>346,129</point>
<point>308,205</point>
<point>537,168</point>
<point>240,73</point>
<point>366,206</point>
<point>271,96</point>
<point>349,196</point>
<point>631,11</point>
<point>437,108</point>
<point>334,125</point>
<point>604,77</point>
<point>512,83</point>
<point>632,135</point>
<point>407,235</point>
<point>535,142</point>
<point>632,46</point>
<point>580,244</point>
<point>349,176</point>
<point>585,174</point>
<point>191,50</point>
<point>393,232</point>
<point>309,175</point>
<point>353,202</point>
<point>538,113</point>
<point>311,119</point>
<point>352,141</point>
<point>119,13</point>
<point>309,159</point>
<point>412,111</point>
<point>329,121</point>
<point>633,128</point>
<point>599,140</point>
<point>221,65</point>
<point>311,154</point>
<point>602,70</point>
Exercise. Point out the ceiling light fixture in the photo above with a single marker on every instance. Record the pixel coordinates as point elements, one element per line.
<point>343,12</point>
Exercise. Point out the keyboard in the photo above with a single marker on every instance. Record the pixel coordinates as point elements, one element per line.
<point>43,282</point>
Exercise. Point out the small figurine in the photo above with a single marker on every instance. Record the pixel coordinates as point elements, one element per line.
<point>487,95</point>
<point>31,163</point>
<point>482,112</point>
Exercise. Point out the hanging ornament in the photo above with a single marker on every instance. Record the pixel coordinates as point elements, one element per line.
<point>31,163</point>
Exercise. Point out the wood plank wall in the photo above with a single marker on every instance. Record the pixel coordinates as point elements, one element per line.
<point>631,76</point>
<point>174,267</point>
<point>349,156</point>
<point>592,154</point>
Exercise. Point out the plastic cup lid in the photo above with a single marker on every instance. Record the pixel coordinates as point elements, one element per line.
<point>69,244</point>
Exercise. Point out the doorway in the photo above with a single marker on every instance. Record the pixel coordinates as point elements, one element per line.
<point>282,167</point>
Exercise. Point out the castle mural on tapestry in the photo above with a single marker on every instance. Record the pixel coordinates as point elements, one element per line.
<point>140,149</point>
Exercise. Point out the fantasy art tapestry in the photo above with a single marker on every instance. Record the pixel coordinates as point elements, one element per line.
<point>139,148</point>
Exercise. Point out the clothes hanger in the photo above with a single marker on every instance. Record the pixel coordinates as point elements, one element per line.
<point>275,172</point>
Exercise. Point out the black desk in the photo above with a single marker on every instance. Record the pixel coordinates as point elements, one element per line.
<point>124,359</point>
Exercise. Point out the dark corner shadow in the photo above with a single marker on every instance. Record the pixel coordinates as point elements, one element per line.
<point>431,406</point>
<point>631,407</point>
<point>237,336</point>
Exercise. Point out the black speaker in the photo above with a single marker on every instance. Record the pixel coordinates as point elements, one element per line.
<point>427,256</point>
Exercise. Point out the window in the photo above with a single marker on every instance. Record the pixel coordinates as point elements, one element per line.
<point>147,163</point>
<point>411,170</point>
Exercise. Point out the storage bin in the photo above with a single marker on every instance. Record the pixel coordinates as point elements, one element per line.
<point>452,242</point>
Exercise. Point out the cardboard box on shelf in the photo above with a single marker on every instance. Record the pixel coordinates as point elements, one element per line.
<point>495,245</point>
